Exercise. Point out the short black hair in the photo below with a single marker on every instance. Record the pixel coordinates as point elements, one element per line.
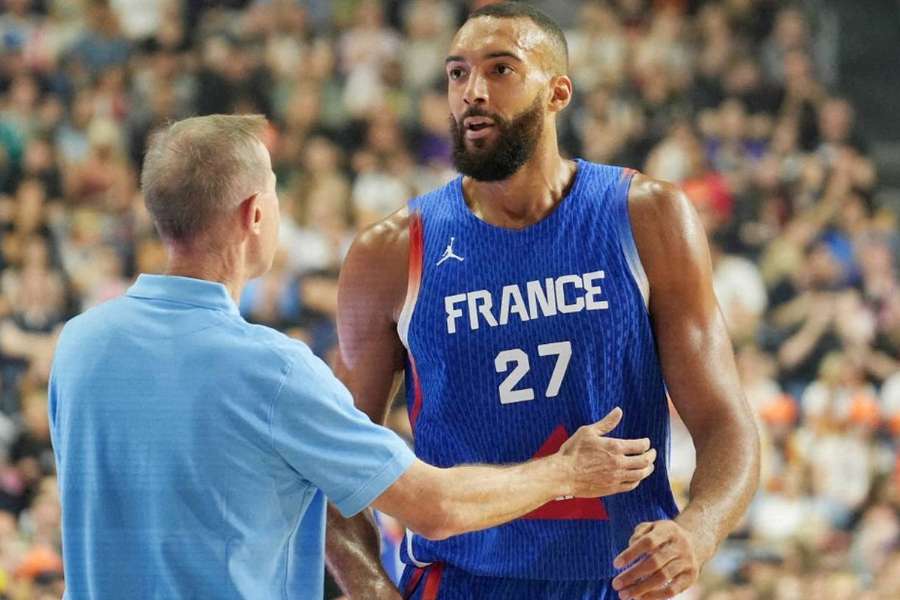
<point>514,10</point>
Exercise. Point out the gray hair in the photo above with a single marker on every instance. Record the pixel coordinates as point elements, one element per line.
<point>197,169</point>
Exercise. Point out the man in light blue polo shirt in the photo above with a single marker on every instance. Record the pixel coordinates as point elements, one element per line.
<point>195,451</point>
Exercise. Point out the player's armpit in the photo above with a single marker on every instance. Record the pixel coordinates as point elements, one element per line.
<point>697,360</point>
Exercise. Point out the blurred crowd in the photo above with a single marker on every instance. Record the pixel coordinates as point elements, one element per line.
<point>736,100</point>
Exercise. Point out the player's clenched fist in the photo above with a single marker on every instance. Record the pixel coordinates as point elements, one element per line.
<point>602,466</point>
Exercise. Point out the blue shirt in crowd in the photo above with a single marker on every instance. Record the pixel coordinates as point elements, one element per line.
<point>195,450</point>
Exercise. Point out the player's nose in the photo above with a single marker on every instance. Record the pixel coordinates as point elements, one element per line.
<point>476,91</point>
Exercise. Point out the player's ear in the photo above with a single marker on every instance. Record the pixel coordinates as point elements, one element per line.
<point>561,92</point>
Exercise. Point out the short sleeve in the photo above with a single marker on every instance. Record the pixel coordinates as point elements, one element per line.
<point>320,433</point>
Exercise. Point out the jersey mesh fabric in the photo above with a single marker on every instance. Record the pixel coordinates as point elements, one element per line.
<point>455,386</point>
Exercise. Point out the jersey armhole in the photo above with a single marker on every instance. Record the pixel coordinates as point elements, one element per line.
<point>626,236</point>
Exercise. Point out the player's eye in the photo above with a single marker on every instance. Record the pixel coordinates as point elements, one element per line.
<point>503,69</point>
<point>455,73</point>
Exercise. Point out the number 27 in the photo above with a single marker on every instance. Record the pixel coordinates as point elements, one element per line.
<point>508,393</point>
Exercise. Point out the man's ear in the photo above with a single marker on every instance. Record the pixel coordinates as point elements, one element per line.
<point>561,92</point>
<point>250,213</point>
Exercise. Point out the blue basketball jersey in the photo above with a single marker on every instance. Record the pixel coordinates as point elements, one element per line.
<point>516,338</point>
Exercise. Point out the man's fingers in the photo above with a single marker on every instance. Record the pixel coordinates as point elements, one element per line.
<point>640,461</point>
<point>645,574</point>
<point>609,422</point>
<point>638,548</point>
<point>642,542</point>
<point>652,583</point>
<point>640,530</point>
<point>634,476</point>
<point>628,447</point>
<point>680,583</point>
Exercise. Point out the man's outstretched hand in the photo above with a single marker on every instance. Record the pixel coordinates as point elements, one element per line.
<point>602,466</point>
<point>667,562</point>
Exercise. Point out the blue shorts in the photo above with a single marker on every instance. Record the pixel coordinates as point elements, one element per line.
<point>444,582</point>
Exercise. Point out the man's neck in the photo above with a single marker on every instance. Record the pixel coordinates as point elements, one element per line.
<point>526,197</point>
<point>227,270</point>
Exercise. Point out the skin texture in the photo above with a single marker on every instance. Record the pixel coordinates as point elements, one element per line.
<point>501,66</point>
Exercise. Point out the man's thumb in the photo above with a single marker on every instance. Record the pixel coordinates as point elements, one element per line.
<point>609,422</point>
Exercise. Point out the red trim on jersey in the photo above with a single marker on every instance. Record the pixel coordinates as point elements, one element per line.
<point>433,582</point>
<point>627,172</point>
<point>417,394</point>
<point>416,254</point>
<point>591,509</point>
<point>413,583</point>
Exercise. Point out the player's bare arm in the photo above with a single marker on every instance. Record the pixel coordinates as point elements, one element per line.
<point>698,365</point>
<point>371,290</point>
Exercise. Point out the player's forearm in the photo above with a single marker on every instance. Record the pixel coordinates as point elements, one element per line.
<point>352,552</point>
<point>480,496</point>
<point>723,483</point>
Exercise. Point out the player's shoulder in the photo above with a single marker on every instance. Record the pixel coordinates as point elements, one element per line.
<point>374,274</point>
<point>657,206</point>
<point>391,234</point>
<point>387,235</point>
<point>375,267</point>
<point>666,227</point>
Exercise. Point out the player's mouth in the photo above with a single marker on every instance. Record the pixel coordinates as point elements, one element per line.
<point>477,127</point>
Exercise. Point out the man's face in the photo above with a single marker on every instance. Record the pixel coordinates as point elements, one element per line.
<point>496,91</point>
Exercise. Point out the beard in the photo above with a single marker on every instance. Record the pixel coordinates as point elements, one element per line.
<point>514,145</point>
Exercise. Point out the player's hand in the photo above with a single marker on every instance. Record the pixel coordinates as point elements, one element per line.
<point>602,466</point>
<point>667,562</point>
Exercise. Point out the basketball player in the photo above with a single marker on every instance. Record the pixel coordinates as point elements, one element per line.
<point>522,300</point>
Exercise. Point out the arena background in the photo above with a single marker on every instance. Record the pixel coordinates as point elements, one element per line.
<point>780,120</point>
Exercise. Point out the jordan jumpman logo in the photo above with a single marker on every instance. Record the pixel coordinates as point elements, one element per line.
<point>448,253</point>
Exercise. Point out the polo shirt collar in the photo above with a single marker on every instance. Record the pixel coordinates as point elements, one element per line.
<point>185,290</point>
